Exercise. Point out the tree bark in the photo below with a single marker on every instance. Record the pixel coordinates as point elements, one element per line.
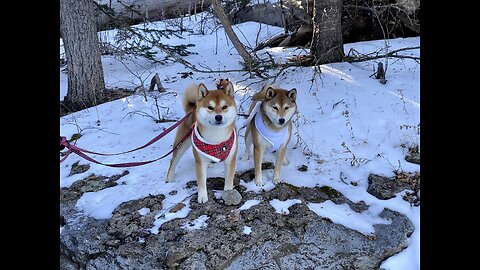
<point>222,16</point>
<point>85,72</point>
<point>327,42</point>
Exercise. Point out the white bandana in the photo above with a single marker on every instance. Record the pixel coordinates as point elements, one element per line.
<point>275,138</point>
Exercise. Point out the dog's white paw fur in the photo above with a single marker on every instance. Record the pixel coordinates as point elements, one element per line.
<point>259,182</point>
<point>170,178</point>
<point>202,197</point>
<point>277,180</point>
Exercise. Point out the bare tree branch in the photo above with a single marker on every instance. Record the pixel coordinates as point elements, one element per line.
<point>392,54</point>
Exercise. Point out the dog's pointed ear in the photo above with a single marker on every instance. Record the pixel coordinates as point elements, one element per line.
<point>228,89</point>
<point>292,94</point>
<point>270,93</point>
<point>202,91</point>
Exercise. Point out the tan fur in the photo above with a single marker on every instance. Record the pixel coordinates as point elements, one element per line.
<point>196,99</point>
<point>280,98</point>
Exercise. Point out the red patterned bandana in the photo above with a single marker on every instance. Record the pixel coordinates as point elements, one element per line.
<point>215,152</point>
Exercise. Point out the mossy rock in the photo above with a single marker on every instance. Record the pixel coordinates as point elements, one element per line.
<point>76,169</point>
<point>75,137</point>
<point>331,192</point>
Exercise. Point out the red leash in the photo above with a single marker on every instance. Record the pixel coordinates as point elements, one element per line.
<point>79,151</point>
<point>158,137</point>
<point>76,150</point>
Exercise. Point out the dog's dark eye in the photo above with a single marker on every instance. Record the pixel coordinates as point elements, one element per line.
<point>224,107</point>
<point>275,108</point>
<point>286,108</point>
<point>210,108</point>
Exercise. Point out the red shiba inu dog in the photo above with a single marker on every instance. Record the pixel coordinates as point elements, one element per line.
<point>214,136</point>
<point>269,127</point>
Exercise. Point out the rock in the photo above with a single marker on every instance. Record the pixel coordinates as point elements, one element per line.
<point>325,245</point>
<point>216,183</point>
<point>88,184</point>
<point>303,168</point>
<point>413,158</point>
<point>299,240</point>
<point>249,175</point>
<point>231,197</point>
<point>127,224</point>
<point>233,216</point>
<point>177,207</point>
<point>384,188</point>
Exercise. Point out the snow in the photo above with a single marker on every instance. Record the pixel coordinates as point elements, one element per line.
<point>348,126</point>
<point>144,211</point>
<point>343,214</point>
<point>196,224</point>
<point>249,204</point>
<point>247,230</point>
<point>281,207</point>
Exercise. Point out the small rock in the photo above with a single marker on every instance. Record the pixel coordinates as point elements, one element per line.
<point>191,184</point>
<point>62,221</point>
<point>249,175</point>
<point>177,207</point>
<point>303,168</point>
<point>231,197</point>
<point>76,169</point>
<point>173,192</point>
<point>413,158</point>
<point>233,216</point>
<point>384,188</point>
<point>359,206</point>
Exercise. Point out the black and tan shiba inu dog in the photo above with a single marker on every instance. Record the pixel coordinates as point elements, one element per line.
<point>270,127</point>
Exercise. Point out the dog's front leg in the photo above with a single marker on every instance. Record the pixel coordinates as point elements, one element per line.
<point>230,166</point>
<point>257,159</point>
<point>278,164</point>
<point>201,172</point>
<point>177,154</point>
<point>248,143</point>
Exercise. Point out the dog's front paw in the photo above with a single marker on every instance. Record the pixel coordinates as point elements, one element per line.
<point>277,180</point>
<point>259,182</point>
<point>202,197</point>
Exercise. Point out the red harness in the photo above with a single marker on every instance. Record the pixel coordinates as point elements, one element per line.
<point>215,152</point>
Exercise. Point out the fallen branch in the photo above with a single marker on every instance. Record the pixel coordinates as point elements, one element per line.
<point>392,54</point>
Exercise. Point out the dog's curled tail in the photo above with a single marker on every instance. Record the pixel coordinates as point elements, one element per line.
<point>190,98</point>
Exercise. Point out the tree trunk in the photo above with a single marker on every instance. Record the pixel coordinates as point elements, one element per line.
<point>327,42</point>
<point>85,72</point>
<point>220,12</point>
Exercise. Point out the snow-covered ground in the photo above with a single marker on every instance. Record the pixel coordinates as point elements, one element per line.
<point>348,126</point>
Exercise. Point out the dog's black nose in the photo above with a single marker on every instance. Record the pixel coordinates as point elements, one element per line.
<point>218,117</point>
<point>281,121</point>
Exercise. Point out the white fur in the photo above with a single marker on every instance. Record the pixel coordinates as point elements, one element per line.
<point>214,133</point>
<point>272,114</point>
